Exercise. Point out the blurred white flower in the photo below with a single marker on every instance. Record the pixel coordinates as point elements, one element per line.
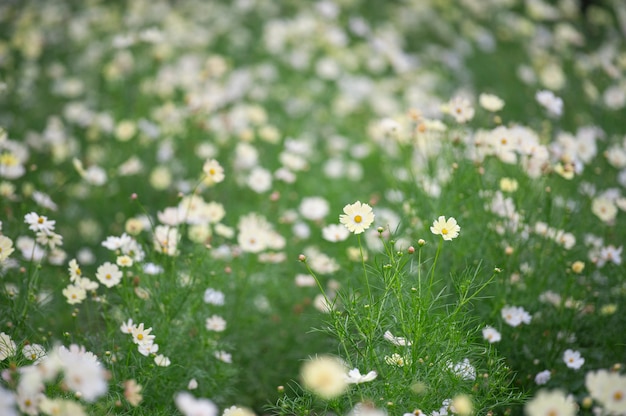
<point>550,102</point>
<point>354,376</point>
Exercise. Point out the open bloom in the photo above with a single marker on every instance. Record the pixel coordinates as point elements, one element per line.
<point>324,376</point>
<point>39,222</point>
<point>142,335</point>
<point>609,389</point>
<point>515,315</point>
<point>354,376</point>
<point>109,274</point>
<point>573,359</point>
<point>214,172</point>
<point>550,403</point>
<point>189,405</point>
<point>448,229</point>
<point>550,102</point>
<point>491,334</point>
<point>357,217</point>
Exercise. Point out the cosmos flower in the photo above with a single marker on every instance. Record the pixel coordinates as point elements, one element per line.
<point>448,229</point>
<point>324,376</point>
<point>550,403</point>
<point>357,217</point>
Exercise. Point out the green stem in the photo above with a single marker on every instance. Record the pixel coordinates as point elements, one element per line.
<point>367,283</point>
<point>432,270</point>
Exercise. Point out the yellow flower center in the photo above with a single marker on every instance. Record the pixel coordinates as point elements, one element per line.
<point>212,171</point>
<point>444,231</point>
<point>8,159</point>
<point>140,337</point>
<point>552,412</point>
<point>73,295</point>
<point>78,272</point>
<point>618,396</point>
<point>503,140</point>
<point>33,356</point>
<point>40,220</point>
<point>358,219</point>
<point>108,277</point>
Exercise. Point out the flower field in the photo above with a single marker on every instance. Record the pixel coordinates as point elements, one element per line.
<point>335,207</point>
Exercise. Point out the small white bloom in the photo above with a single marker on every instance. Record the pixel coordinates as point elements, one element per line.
<point>550,102</point>
<point>491,334</point>
<point>399,341</point>
<point>543,377</point>
<point>162,361</point>
<point>215,323</point>
<point>354,376</point>
<point>573,359</point>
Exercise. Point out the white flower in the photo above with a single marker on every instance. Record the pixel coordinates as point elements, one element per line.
<point>7,346</point>
<point>515,315</point>
<point>314,208</point>
<point>6,247</point>
<point>83,373</point>
<point>357,217</point>
<point>550,403</point>
<point>114,243</point>
<point>550,102</point>
<point>335,233</point>
<point>354,376</point>
<point>324,376</point>
<point>34,352</point>
<point>190,406</point>
<point>223,356</point>
<point>109,274</point>
<point>543,377</point>
<point>146,349</point>
<point>7,403</point>
<point>215,323</point>
<point>463,369</point>
<point>213,297</point>
<point>573,359</point>
<point>162,361</point>
<point>141,335</point>
<point>259,180</point>
<point>237,411</point>
<point>460,108</point>
<point>39,223</point>
<point>609,389</point>
<point>214,172</point>
<point>127,327</point>
<point>397,360</point>
<point>490,102</point>
<point>74,294</point>
<point>166,239</point>
<point>399,341</point>
<point>491,334</point>
<point>448,229</point>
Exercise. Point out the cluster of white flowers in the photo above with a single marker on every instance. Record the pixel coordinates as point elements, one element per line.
<point>145,341</point>
<point>45,236</point>
<point>124,245</point>
<point>256,234</point>
<point>81,371</point>
<point>79,285</point>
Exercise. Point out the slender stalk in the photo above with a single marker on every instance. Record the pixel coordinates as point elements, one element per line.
<point>434,266</point>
